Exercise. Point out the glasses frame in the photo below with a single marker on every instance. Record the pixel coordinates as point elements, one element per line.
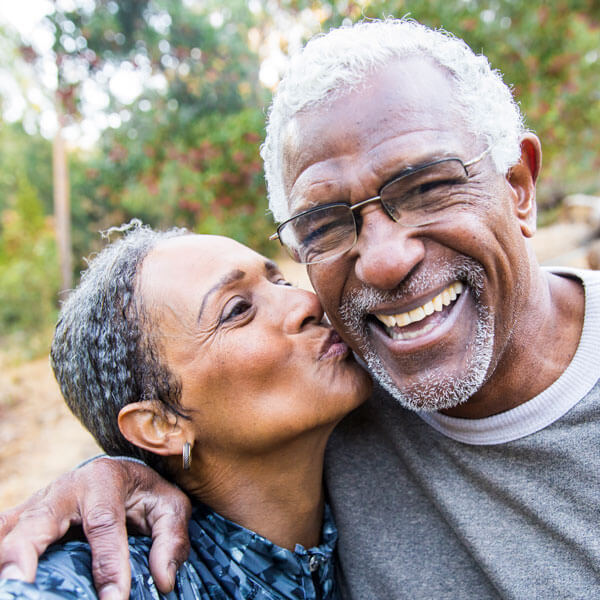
<point>406,173</point>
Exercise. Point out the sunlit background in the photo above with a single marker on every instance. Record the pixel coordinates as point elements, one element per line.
<point>155,109</point>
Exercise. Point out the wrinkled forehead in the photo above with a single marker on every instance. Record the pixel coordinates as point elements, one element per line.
<point>180,269</point>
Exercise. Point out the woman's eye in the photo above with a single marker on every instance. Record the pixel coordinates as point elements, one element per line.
<point>238,308</point>
<point>284,282</point>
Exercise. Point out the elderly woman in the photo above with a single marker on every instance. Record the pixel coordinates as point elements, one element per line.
<point>195,355</point>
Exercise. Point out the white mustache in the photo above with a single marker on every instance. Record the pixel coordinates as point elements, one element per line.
<point>357,305</point>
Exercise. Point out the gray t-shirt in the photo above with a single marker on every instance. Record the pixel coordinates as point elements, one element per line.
<point>425,516</point>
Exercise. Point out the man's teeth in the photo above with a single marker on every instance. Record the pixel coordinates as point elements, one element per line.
<point>418,314</point>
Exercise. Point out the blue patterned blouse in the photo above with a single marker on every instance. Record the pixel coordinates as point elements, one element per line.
<point>226,561</point>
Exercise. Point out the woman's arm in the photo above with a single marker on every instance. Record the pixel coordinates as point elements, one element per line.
<point>101,496</point>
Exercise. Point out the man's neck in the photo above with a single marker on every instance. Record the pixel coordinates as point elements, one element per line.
<point>543,344</point>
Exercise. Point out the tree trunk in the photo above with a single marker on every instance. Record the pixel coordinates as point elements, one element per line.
<point>62,212</point>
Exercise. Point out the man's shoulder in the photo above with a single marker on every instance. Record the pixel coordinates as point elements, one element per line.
<point>381,416</point>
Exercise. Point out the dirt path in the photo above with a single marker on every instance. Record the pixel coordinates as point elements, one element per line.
<point>39,437</point>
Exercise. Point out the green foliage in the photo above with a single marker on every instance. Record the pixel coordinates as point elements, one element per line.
<point>28,157</point>
<point>28,266</point>
<point>209,180</point>
<point>187,156</point>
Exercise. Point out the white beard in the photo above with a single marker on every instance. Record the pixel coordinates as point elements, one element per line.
<point>430,392</point>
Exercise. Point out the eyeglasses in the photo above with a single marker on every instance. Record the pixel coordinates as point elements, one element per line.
<point>418,196</point>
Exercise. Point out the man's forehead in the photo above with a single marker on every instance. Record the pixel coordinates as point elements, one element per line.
<point>402,114</point>
<point>409,89</point>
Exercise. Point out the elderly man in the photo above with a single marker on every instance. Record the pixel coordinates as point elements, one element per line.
<point>401,174</point>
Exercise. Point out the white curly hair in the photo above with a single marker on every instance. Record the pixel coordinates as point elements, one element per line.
<point>334,64</point>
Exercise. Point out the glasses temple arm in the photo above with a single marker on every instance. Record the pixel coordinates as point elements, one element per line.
<point>478,158</point>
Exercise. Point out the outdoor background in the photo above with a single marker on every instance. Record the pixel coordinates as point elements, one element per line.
<point>155,109</point>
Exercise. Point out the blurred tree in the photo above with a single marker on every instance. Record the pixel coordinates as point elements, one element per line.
<point>181,125</point>
<point>183,147</point>
<point>28,266</point>
<point>28,157</point>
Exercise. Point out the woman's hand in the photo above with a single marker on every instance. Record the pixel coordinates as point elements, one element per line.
<point>100,497</point>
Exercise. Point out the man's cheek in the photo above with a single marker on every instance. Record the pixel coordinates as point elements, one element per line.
<point>324,283</point>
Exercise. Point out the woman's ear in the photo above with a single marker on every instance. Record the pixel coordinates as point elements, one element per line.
<point>153,428</point>
<point>522,177</point>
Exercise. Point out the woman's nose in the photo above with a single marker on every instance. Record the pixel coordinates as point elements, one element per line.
<point>302,308</point>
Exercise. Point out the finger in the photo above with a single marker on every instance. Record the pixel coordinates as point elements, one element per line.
<point>20,561</point>
<point>7,521</point>
<point>162,510</point>
<point>20,549</point>
<point>170,541</point>
<point>104,527</point>
<point>8,568</point>
<point>29,529</point>
<point>154,506</point>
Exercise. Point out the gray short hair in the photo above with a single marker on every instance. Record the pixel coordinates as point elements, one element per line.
<point>104,354</point>
<point>334,64</point>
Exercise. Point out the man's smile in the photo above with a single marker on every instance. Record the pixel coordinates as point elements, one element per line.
<point>397,325</point>
<point>425,326</point>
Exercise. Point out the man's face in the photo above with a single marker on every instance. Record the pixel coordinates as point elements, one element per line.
<point>392,296</point>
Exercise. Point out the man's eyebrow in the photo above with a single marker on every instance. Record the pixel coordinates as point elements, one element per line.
<point>226,280</point>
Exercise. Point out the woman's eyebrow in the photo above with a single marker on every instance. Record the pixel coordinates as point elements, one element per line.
<point>226,280</point>
<point>271,267</point>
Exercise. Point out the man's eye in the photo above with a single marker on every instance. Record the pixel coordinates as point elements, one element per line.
<point>437,185</point>
<point>239,307</point>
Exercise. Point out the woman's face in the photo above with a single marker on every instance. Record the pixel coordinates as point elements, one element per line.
<point>257,365</point>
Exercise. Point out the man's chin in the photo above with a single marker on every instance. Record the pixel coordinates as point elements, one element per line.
<point>431,372</point>
<point>438,389</point>
<point>427,394</point>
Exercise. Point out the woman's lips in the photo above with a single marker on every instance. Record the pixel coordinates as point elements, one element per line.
<point>333,346</point>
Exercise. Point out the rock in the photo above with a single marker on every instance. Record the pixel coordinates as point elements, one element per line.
<point>581,208</point>
<point>593,255</point>
<point>563,244</point>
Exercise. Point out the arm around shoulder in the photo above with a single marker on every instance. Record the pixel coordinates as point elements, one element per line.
<point>100,496</point>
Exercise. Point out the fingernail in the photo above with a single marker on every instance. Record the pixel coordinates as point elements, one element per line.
<point>172,571</point>
<point>11,572</point>
<point>110,592</point>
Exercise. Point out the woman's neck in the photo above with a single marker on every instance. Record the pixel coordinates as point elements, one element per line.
<point>278,494</point>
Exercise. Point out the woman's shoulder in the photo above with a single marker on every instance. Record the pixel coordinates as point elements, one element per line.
<point>226,562</point>
<point>64,571</point>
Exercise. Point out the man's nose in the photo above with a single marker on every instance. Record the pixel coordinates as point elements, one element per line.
<point>302,308</point>
<point>386,252</point>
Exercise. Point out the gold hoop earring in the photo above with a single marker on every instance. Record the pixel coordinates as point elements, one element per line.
<point>187,456</point>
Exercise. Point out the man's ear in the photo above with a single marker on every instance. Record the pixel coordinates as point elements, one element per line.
<point>153,428</point>
<point>522,177</point>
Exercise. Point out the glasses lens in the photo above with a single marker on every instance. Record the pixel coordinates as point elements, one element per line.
<point>319,234</point>
<point>419,197</point>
